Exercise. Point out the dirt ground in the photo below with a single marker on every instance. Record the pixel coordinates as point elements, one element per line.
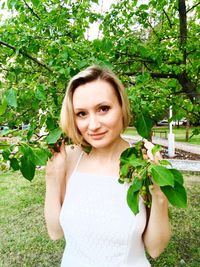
<point>180,154</point>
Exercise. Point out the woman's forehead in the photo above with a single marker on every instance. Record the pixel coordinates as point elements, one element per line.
<point>93,93</point>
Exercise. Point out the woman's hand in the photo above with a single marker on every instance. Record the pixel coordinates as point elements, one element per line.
<point>55,190</point>
<point>56,165</point>
<point>154,189</point>
<point>148,145</point>
<point>158,230</point>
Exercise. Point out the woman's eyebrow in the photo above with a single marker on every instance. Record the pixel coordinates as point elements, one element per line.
<point>96,106</point>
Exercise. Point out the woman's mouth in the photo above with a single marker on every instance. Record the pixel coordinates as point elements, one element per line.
<point>98,135</point>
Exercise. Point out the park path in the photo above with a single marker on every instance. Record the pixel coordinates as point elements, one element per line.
<point>164,142</point>
<point>183,165</point>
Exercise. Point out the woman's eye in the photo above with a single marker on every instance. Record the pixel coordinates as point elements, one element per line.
<point>81,114</point>
<point>104,108</point>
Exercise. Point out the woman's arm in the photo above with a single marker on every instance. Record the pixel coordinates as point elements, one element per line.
<point>158,230</point>
<point>55,191</point>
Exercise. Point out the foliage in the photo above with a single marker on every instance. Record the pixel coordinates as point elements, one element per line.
<point>142,173</point>
<point>153,50</point>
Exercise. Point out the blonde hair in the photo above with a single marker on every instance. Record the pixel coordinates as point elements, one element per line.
<point>92,73</point>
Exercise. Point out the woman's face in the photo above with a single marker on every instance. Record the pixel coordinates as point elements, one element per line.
<point>98,114</point>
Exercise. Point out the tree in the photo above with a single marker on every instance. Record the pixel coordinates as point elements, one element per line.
<point>154,49</point>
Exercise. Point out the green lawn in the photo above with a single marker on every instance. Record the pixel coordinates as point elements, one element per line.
<point>25,243</point>
<point>179,133</point>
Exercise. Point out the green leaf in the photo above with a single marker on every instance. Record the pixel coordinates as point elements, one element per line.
<point>35,2</point>
<point>177,196</point>
<point>3,106</point>
<point>124,169</point>
<point>40,93</point>
<point>137,184</point>
<point>127,154</point>
<point>155,149</point>
<point>137,162</point>
<point>6,153</point>
<point>133,199</point>
<point>40,157</point>
<point>195,132</point>
<point>11,98</point>
<point>50,122</point>
<point>143,125</point>
<point>165,162</point>
<point>27,168</point>
<point>14,164</point>
<point>162,176</point>
<point>30,133</point>
<point>178,177</point>
<point>11,3</point>
<point>53,136</point>
<point>24,149</point>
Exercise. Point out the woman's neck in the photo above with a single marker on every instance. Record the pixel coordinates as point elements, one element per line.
<point>110,152</point>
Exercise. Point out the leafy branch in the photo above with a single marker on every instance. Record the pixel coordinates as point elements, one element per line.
<point>26,55</point>
<point>141,174</point>
<point>31,10</point>
<point>155,75</point>
<point>169,21</point>
<point>193,7</point>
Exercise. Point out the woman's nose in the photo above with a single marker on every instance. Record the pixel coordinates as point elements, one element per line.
<point>94,123</point>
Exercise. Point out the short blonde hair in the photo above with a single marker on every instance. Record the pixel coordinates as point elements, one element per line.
<point>92,73</point>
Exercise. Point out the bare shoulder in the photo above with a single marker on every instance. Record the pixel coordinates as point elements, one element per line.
<point>73,149</point>
<point>73,153</point>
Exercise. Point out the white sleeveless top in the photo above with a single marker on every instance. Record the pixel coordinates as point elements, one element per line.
<point>99,228</point>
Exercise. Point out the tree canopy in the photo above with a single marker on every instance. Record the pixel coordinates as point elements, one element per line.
<point>154,48</point>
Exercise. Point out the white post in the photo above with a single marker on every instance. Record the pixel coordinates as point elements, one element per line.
<point>171,148</point>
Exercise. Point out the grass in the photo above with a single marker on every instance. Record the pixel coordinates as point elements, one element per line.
<point>24,239</point>
<point>179,133</point>
<point>23,235</point>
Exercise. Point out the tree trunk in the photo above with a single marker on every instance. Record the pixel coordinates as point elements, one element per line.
<point>187,128</point>
<point>188,87</point>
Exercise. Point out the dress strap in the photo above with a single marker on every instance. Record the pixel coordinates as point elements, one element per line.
<point>78,161</point>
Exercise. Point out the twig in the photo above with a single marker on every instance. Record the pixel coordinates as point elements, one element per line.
<point>192,7</point>
<point>170,24</point>
<point>26,55</point>
<point>32,11</point>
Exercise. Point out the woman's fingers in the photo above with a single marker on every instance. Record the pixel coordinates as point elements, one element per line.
<point>148,145</point>
<point>62,148</point>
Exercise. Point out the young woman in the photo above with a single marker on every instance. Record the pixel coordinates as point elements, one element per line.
<point>84,201</point>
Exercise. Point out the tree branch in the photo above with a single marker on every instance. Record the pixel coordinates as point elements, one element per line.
<point>183,28</point>
<point>193,7</point>
<point>137,58</point>
<point>32,11</point>
<point>155,75</point>
<point>26,55</point>
<point>153,30</point>
<point>133,60</point>
<point>169,21</point>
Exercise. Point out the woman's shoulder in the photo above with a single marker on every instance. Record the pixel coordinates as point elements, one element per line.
<point>73,151</point>
<point>73,154</point>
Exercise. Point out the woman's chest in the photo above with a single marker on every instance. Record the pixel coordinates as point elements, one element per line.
<point>96,205</point>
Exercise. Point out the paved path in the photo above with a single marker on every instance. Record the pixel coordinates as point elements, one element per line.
<point>183,165</point>
<point>164,142</point>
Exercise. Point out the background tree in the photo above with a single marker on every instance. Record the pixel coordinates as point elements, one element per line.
<point>153,47</point>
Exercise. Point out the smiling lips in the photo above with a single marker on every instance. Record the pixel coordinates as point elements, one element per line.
<point>97,136</point>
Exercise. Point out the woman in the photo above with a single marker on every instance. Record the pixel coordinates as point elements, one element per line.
<point>84,200</point>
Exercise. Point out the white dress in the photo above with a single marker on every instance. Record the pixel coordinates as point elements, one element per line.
<point>100,229</point>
